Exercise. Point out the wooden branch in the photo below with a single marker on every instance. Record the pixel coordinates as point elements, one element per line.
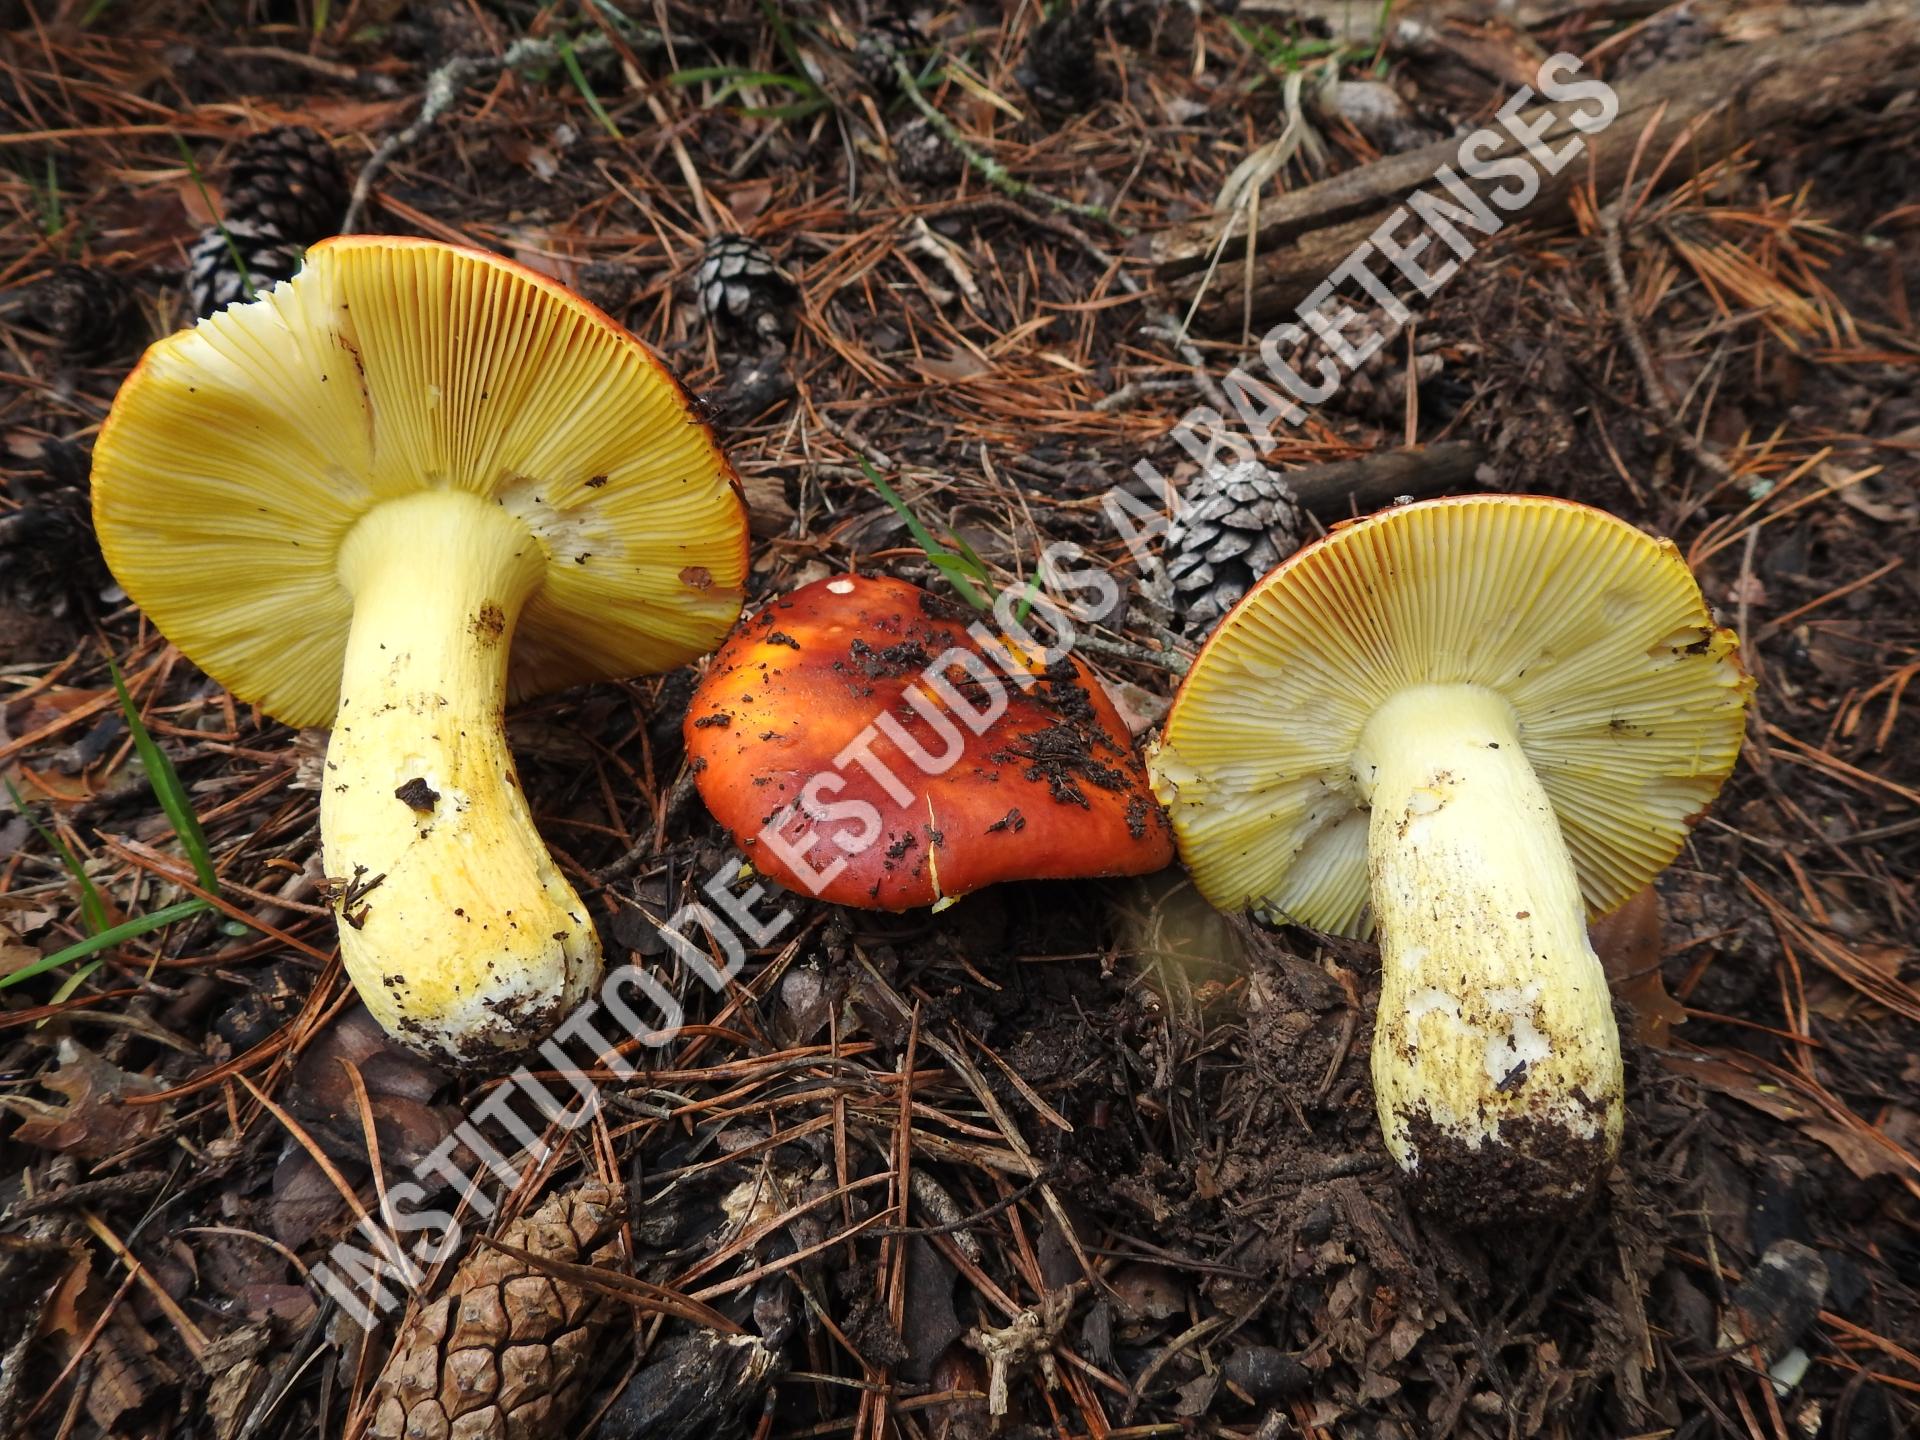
<point>1340,488</point>
<point>1714,105</point>
<point>1346,487</point>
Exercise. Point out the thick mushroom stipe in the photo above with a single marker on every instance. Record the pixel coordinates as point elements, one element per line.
<point>421,809</point>
<point>393,493</point>
<point>1467,725</point>
<point>1445,774</point>
<point>877,747</point>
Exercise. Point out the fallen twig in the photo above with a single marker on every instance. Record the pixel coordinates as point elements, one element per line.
<point>1695,110</point>
<point>446,83</point>
<point>988,168</point>
<point>1658,400</point>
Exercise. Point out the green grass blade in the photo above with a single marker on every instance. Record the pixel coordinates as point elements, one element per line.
<point>739,76</point>
<point>167,788</point>
<point>783,36</point>
<point>1021,610</point>
<point>580,83</point>
<point>959,574</point>
<point>954,568</point>
<point>798,110</point>
<point>233,250</point>
<point>107,939</point>
<point>54,220</point>
<point>72,983</point>
<point>972,557</point>
<point>93,908</point>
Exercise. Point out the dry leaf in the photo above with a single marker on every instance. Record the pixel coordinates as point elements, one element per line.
<point>322,1097</point>
<point>92,1124</point>
<point>345,115</point>
<point>62,1315</point>
<point>749,199</point>
<point>955,368</point>
<point>305,1201</point>
<point>52,785</point>
<point>1763,1095</point>
<point>15,953</point>
<point>1630,944</point>
<point>1861,1154</point>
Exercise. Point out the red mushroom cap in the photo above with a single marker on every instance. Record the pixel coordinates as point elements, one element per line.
<point>862,745</point>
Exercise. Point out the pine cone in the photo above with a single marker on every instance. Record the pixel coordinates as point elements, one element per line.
<point>884,37</point>
<point>88,312</point>
<point>922,155</point>
<point>1376,389</point>
<point>286,189</point>
<point>1061,70</point>
<point>291,179</point>
<point>1239,524</point>
<point>213,281</point>
<point>505,1353</point>
<point>49,555</point>
<point>740,287</point>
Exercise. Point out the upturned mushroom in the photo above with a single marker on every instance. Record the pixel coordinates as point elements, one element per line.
<point>393,493</point>
<point>1467,724</point>
<point>865,744</point>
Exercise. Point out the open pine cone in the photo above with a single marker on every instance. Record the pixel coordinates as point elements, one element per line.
<point>290,178</point>
<point>885,36</point>
<point>285,190</point>
<point>89,312</point>
<point>1239,523</point>
<point>1376,389</point>
<point>1061,69</point>
<point>504,1354</point>
<point>741,287</point>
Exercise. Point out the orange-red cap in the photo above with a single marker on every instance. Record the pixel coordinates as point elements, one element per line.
<point>862,744</point>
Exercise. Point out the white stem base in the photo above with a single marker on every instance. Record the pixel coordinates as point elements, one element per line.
<point>456,926</point>
<point>1496,1061</point>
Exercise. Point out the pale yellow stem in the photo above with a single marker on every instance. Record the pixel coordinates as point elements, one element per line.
<point>1496,1061</point>
<point>456,926</point>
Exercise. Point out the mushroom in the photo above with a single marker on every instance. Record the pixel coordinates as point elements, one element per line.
<point>395,492</point>
<point>864,744</point>
<point>1468,724</point>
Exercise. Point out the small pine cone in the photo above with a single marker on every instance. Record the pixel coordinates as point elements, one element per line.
<point>286,189</point>
<point>505,1353</point>
<point>922,156</point>
<point>1239,523</point>
<point>740,287</point>
<point>49,555</point>
<point>290,179</point>
<point>885,37</point>
<point>90,313</point>
<point>1376,388</point>
<point>1141,22</point>
<point>1061,70</point>
<point>213,281</point>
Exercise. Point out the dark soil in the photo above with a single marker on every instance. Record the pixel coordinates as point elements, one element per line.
<point>1099,1115</point>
